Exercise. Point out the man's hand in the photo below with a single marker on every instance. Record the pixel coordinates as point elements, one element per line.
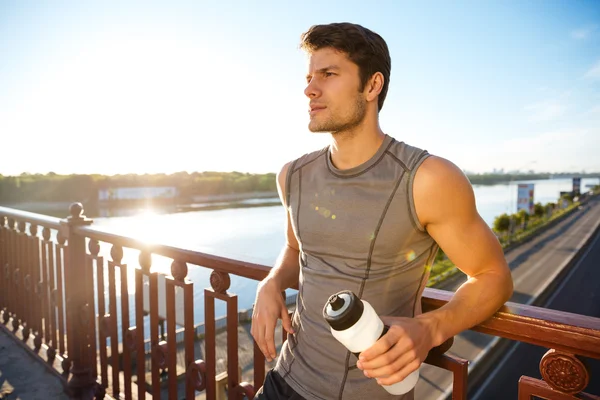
<point>268,308</point>
<point>399,352</point>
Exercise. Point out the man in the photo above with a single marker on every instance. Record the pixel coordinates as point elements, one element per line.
<point>367,214</point>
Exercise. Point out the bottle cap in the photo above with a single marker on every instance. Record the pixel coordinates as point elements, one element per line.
<point>343,310</point>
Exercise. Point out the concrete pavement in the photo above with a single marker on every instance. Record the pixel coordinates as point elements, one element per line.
<point>22,377</point>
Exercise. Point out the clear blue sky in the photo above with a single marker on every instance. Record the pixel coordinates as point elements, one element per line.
<point>123,86</point>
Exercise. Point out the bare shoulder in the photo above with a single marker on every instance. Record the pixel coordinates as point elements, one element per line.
<point>441,191</point>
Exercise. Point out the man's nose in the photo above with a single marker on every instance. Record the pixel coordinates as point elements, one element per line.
<point>312,90</point>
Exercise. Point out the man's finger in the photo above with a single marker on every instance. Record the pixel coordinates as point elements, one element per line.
<point>393,366</point>
<point>380,347</point>
<point>400,375</point>
<point>286,322</point>
<point>395,352</point>
<point>262,344</point>
<point>270,343</point>
<point>258,330</point>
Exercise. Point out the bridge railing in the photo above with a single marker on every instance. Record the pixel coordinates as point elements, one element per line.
<point>97,317</point>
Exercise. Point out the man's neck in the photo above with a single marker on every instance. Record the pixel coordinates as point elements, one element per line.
<point>351,149</point>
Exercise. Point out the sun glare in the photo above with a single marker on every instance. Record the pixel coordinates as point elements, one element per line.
<point>147,212</point>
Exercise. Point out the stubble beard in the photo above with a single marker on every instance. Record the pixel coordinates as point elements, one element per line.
<point>339,126</point>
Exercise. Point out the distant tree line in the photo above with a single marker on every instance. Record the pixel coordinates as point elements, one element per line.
<point>492,179</point>
<point>52,187</point>
<point>509,226</point>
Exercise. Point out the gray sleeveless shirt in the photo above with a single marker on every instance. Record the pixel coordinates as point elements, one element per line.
<point>357,230</point>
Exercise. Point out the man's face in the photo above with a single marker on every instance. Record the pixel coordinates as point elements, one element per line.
<point>333,83</point>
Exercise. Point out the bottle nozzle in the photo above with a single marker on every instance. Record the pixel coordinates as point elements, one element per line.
<point>336,302</point>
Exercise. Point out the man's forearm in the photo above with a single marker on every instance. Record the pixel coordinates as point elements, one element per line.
<point>285,273</point>
<point>475,301</point>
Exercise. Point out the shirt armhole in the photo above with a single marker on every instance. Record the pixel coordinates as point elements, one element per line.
<point>411,200</point>
<point>288,182</point>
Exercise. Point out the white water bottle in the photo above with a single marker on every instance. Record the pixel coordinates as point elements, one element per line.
<point>356,325</point>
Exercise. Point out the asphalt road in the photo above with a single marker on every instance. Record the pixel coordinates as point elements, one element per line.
<point>578,293</point>
<point>533,266</point>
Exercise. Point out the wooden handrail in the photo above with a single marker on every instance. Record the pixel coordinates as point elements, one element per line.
<point>540,326</point>
<point>32,218</point>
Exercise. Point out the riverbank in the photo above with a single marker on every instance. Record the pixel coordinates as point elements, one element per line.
<point>60,209</point>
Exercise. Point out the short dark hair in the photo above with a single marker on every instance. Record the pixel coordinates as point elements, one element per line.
<point>363,47</point>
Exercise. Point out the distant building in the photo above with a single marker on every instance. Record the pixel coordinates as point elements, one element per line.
<point>106,195</point>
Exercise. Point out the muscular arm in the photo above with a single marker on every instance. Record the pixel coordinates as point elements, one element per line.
<point>269,305</point>
<point>445,206</point>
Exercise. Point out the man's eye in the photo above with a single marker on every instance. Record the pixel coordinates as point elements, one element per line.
<point>328,74</point>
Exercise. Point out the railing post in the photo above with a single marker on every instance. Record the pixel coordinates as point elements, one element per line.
<point>82,382</point>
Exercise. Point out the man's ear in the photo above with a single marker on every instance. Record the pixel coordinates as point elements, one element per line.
<point>374,86</point>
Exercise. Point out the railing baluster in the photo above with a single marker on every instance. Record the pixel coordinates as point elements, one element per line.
<point>38,283</point>
<point>171,339</point>
<point>53,297</point>
<point>46,289</point>
<point>91,273</point>
<point>116,253</point>
<point>220,282</point>
<point>179,272</point>
<point>6,281</point>
<point>3,285</point>
<point>259,367</point>
<point>52,294</point>
<point>210,343</point>
<point>16,281</point>
<point>36,310</point>
<point>154,339</point>
<point>458,366</point>
<point>189,338</point>
<point>25,263</point>
<point>12,267</point>
<point>233,378</point>
<point>112,322</point>
<point>139,328</point>
<point>32,258</point>
<point>6,266</point>
<point>9,273</point>
<point>27,319</point>
<point>103,330</point>
<point>25,281</point>
<point>17,270</point>
<point>60,250</point>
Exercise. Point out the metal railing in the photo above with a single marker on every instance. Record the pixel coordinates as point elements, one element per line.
<point>76,311</point>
